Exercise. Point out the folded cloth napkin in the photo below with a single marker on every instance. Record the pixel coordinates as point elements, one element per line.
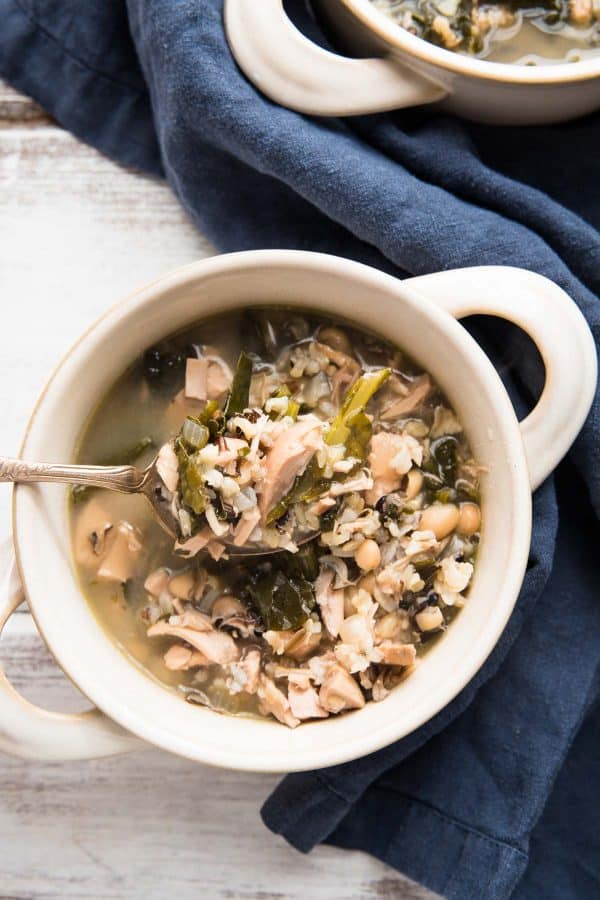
<point>496,796</point>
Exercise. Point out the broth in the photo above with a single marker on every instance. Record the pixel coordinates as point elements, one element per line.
<point>159,604</point>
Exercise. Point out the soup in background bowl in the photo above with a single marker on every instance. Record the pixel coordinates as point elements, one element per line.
<point>516,31</point>
<point>274,425</point>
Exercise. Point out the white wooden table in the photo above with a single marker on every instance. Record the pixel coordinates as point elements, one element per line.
<point>76,234</point>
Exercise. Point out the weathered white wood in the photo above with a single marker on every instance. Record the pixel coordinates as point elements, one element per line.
<point>152,825</point>
<point>76,234</point>
<point>16,107</point>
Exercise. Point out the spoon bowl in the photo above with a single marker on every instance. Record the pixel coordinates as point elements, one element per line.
<point>125,480</point>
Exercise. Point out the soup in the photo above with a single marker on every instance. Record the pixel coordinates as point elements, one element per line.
<point>301,435</point>
<point>516,31</point>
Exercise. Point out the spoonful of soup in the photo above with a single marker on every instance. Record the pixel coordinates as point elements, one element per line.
<point>242,479</point>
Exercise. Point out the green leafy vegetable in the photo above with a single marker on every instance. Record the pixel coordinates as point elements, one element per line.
<point>293,407</point>
<point>194,433</point>
<point>352,410</point>
<point>307,487</point>
<point>302,564</point>
<point>327,520</point>
<point>359,437</point>
<point>191,484</point>
<point>283,601</point>
<point>238,397</point>
<point>211,418</point>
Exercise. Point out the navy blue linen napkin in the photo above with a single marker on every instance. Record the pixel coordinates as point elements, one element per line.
<point>499,794</point>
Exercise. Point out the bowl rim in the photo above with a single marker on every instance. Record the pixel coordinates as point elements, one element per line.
<point>117,707</point>
<point>508,73</point>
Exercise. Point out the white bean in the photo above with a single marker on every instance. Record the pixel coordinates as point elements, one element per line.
<point>368,555</point>
<point>441,518</point>
<point>414,483</point>
<point>469,518</point>
<point>429,618</point>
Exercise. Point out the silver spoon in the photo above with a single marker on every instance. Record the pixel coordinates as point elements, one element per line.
<point>125,480</point>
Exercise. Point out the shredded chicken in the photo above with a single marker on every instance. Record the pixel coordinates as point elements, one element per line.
<point>340,691</point>
<point>304,700</point>
<point>286,459</point>
<point>330,601</point>
<point>274,702</point>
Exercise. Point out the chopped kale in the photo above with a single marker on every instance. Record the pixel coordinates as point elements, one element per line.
<point>239,394</point>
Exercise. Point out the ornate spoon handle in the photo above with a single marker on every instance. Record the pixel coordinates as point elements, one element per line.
<point>127,479</point>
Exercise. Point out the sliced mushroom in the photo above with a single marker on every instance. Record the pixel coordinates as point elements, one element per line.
<point>157,582</point>
<point>179,658</point>
<point>193,618</point>
<point>91,527</point>
<point>123,548</point>
<point>183,585</point>
<point>226,606</point>
<point>343,378</point>
<point>402,406</point>
<point>215,645</point>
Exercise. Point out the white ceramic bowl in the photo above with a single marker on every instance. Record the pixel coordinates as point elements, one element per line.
<point>417,314</point>
<point>396,69</point>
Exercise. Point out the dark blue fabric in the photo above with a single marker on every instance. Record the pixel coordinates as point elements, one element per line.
<point>499,794</point>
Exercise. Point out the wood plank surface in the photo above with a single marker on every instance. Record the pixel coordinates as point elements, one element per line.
<point>15,107</point>
<point>77,233</point>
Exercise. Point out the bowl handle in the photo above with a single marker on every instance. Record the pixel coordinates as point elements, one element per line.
<point>30,732</point>
<point>561,334</point>
<point>294,72</point>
